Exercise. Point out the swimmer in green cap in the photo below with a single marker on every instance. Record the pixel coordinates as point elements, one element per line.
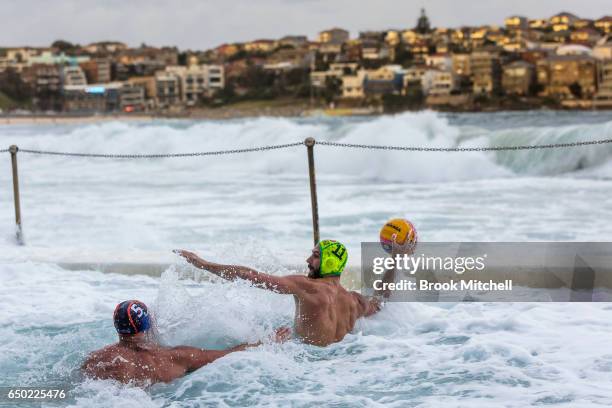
<point>324,311</point>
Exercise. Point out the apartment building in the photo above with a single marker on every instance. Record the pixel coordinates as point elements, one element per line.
<point>440,82</point>
<point>375,51</point>
<point>486,72</point>
<point>514,23</point>
<point>97,70</point>
<point>333,36</point>
<point>132,98</point>
<point>518,78</point>
<point>47,86</point>
<point>72,76</point>
<point>538,24</point>
<point>196,81</point>
<point>148,84</point>
<point>462,64</point>
<point>442,62</point>
<point>384,80</point>
<point>567,76</point>
<point>329,52</point>
<point>604,24</point>
<point>603,98</point>
<point>92,98</point>
<point>563,21</point>
<point>414,77</point>
<point>352,85</point>
<point>167,89</point>
<point>336,70</point>
<point>585,36</point>
<point>353,51</point>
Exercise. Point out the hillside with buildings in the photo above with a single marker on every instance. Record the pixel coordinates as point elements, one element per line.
<point>560,62</point>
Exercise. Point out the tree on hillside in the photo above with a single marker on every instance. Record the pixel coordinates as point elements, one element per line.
<point>64,46</point>
<point>259,82</point>
<point>14,87</point>
<point>402,55</point>
<point>333,89</point>
<point>576,90</point>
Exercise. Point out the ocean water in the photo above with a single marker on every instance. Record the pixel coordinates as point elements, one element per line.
<point>255,209</point>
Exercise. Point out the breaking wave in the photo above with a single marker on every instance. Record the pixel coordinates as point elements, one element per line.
<point>426,129</point>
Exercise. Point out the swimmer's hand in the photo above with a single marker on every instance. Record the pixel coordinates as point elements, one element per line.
<point>190,257</point>
<point>376,304</point>
<point>282,334</point>
<point>407,248</point>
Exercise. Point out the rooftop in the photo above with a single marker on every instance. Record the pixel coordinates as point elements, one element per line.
<point>565,14</point>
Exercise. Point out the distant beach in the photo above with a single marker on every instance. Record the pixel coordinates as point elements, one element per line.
<point>227,112</point>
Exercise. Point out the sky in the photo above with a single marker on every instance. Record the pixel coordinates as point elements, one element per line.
<point>203,24</point>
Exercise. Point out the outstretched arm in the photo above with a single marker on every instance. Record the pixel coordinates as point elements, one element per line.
<point>407,248</point>
<point>388,277</point>
<point>280,284</point>
<point>367,306</point>
<point>192,358</point>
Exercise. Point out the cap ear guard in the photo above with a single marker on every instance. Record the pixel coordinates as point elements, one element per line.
<point>145,324</point>
<point>330,264</point>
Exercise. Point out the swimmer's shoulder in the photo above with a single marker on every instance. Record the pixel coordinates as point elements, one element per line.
<point>112,355</point>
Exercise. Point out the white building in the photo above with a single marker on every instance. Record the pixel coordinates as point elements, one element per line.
<point>439,61</point>
<point>439,82</point>
<point>574,49</point>
<point>197,81</point>
<point>352,85</point>
<point>72,75</point>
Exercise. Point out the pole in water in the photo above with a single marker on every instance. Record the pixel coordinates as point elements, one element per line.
<point>310,142</point>
<point>14,149</point>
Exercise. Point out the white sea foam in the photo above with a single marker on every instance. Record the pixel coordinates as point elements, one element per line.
<point>425,129</point>
<point>409,354</point>
<point>95,210</point>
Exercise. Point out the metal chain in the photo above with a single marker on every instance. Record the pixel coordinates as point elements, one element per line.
<point>465,149</point>
<point>323,143</point>
<point>160,156</point>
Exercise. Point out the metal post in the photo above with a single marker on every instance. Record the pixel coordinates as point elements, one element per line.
<point>14,149</point>
<point>310,142</point>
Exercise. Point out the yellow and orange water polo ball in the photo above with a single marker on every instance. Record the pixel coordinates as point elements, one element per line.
<point>405,230</point>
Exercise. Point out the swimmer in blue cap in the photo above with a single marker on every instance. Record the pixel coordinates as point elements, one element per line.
<point>324,311</point>
<point>137,358</point>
